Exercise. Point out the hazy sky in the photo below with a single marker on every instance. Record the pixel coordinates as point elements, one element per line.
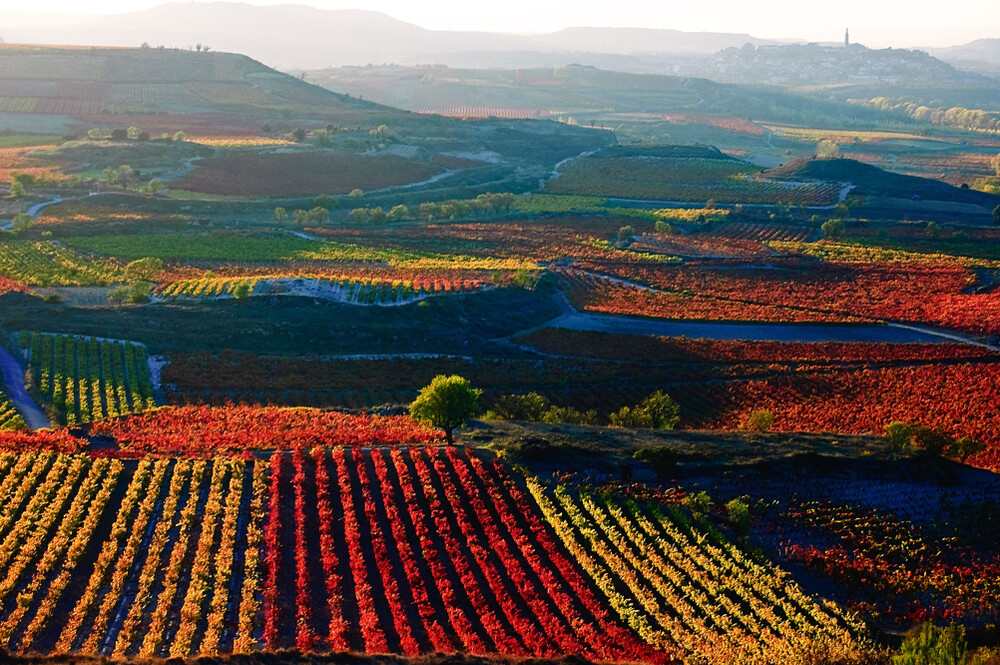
<point>876,23</point>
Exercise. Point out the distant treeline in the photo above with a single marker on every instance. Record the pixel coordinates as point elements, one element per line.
<point>956,116</point>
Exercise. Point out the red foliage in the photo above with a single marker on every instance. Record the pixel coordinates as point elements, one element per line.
<point>795,291</point>
<point>371,625</point>
<point>202,431</point>
<point>304,638</point>
<point>8,285</point>
<point>681,349</point>
<point>60,441</point>
<point>272,542</point>
<point>959,399</point>
<point>338,627</point>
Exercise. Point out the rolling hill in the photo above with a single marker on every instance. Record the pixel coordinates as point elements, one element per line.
<point>583,89</point>
<point>64,88</point>
<point>981,55</point>
<point>290,36</point>
<point>875,181</point>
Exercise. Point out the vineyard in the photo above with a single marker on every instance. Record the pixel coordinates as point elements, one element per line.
<point>684,179</point>
<point>47,264</point>
<point>230,247</point>
<point>350,290</point>
<point>599,293</point>
<point>204,431</point>
<point>208,556</point>
<point>889,566</point>
<point>89,379</point>
<point>16,160</point>
<point>955,398</point>
<point>10,419</point>
<point>504,112</point>
<point>252,315</point>
<point>928,291</point>
<point>729,123</point>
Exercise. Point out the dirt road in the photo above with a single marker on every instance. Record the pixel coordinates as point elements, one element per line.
<point>13,378</point>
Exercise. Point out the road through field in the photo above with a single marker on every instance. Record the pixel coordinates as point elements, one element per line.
<point>33,211</point>
<point>13,378</point>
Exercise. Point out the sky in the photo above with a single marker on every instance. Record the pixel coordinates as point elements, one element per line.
<point>873,23</point>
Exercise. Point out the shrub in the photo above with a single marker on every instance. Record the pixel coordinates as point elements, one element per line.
<point>529,406</point>
<point>625,234</point>
<point>699,502</point>
<point>663,411</point>
<point>738,514</point>
<point>630,416</point>
<point>658,411</point>
<point>660,459</point>
<point>759,420</point>
<point>929,645</point>
<point>900,437</point>
<point>241,290</point>
<point>964,448</point>
<point>930,440</point>
<point>567,415</point>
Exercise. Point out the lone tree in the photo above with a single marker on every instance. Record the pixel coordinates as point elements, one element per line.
<point>827,149</point>
<point>446,403</point>
<point>326,201</point>
<point>22,222</point>
<point>832,228</point>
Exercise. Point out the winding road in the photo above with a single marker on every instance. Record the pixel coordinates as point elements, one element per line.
<point>33,211</point>
<point>13,378</point>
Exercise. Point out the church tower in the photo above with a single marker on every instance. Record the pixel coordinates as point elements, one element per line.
<point>847,37</point>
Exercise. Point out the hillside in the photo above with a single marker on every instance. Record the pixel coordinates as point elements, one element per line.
<point>813,64</point>
<point>873,181</point>
<point>172,89</point>
<point>981,55</point>
<point>65,91</point>
<point>579,89</point>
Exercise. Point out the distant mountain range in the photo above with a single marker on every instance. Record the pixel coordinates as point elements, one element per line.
<point>982,56</point>
<point>301,37</point>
